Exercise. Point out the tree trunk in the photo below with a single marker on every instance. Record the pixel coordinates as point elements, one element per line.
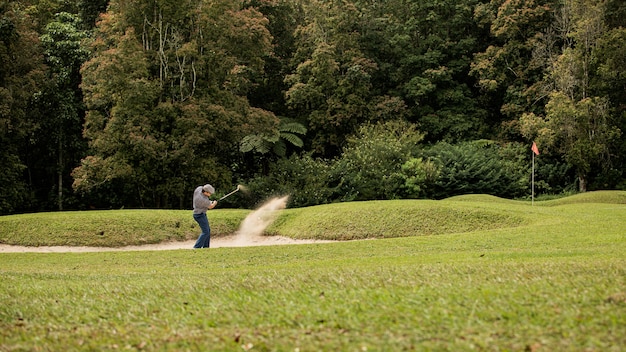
<point>582,183</point>
<point>60,175</point>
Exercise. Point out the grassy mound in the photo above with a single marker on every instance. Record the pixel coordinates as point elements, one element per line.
<point>111,228</point>
<point>483,198</point>
<point>340,221</point>
<point>600,197</point>
<point>394,218</point>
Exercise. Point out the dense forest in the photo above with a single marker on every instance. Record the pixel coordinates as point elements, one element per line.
<point>134,103</point>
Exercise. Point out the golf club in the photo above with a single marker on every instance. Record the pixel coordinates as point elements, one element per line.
<point>238,187</point>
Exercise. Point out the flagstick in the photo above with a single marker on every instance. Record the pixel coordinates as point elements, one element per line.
<point>533,183</point>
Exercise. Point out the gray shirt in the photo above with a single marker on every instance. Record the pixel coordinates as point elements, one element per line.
<point>201,203</point>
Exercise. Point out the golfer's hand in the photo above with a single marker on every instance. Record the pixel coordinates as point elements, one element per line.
<point>213,204</point>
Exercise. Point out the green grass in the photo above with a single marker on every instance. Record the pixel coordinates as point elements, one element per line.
<point>482,274</point>
<point>399,218</point>
<point>613,197</point>
<point>111,228</point>
<point>340,221</point>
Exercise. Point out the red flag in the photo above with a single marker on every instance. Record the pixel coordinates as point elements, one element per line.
<point>535,149</point>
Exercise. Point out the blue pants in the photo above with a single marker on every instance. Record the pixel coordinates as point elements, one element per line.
<point>205,237</point>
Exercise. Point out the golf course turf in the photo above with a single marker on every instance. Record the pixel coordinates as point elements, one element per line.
<point>469,273</point>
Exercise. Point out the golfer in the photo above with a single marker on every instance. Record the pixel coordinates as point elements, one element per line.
<point>202,203</point>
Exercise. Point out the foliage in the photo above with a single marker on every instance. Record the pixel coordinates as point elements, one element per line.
<point>588,141</point>
<point>509,68</point>
<point>12,189</point>
<point>173,92</point>
<point>307,181</point>
<point>370,166</point>
<point>22,73</point>
<point>331,83</point>
<point>386,161</point>
<point>418,174</point>
<point>431,40</point>
<point>479,167</point>
<point>577,123</point>
<point>288,131</point>
<point>61,100</point>
<point>90,10</point>
<point>166,97</point>
<point>553,176</point>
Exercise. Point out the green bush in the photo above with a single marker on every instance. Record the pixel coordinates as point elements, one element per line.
<point>386,161</point>
<point>479,167</point>
<point>377,163</point>
<point>305,179</point>
<point>371,164</point>
<point>553,176</point>
<point>418,174</point>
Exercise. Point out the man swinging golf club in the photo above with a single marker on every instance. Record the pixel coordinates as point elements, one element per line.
<point>202,203</point>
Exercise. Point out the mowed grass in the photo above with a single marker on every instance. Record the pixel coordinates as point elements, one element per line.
<point>341,221</point>
<point>527,278</point>
<point>111,228</point>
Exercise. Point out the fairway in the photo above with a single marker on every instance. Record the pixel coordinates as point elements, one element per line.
<point>464,274</point>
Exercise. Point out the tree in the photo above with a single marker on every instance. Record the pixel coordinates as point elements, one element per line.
<point>166,96</point>
<point>22,71</point>
<point>267,90</point>
<point>577,123</point>
<point>120,100</point>
<point>433,42</point>
<point>61,101</point>
<point>89,11</point>
<point>331,83</point>
<point>507,72</point>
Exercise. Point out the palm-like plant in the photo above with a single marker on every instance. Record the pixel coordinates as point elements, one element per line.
<point>289,131</point>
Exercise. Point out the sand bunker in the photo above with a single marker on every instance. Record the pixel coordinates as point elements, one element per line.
<point>230,241</point>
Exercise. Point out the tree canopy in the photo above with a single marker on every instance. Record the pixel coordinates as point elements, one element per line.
<point>134,102</point>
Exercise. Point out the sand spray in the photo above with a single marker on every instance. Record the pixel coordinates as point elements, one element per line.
<point>256,222</point>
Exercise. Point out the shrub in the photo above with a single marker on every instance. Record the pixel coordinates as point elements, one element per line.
<point>371,164</point>
<point>418,174</point>
<point>479,167</point>
<point>305,179</point>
